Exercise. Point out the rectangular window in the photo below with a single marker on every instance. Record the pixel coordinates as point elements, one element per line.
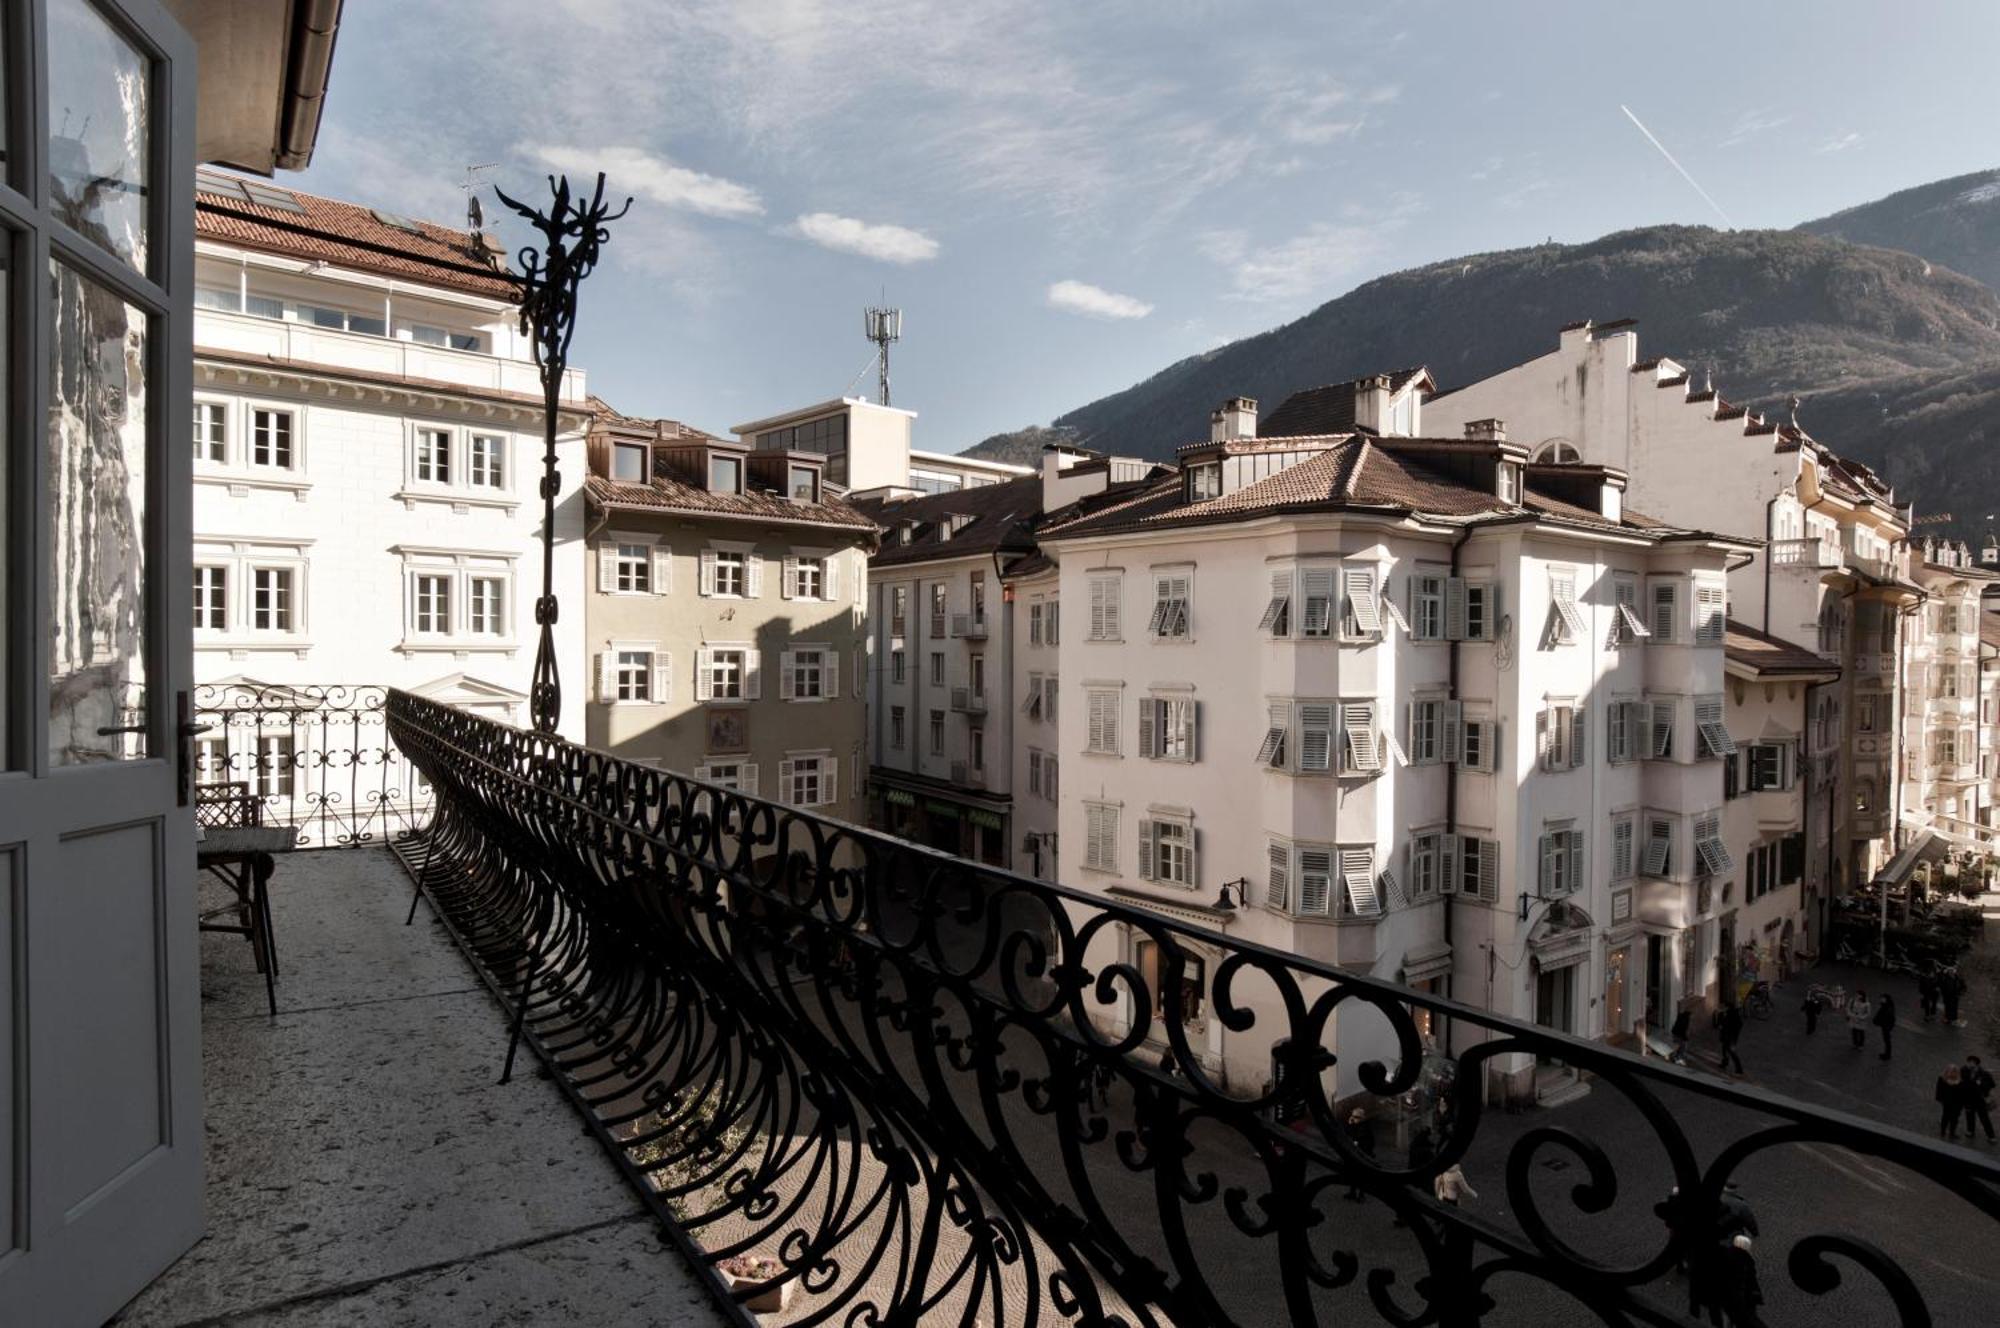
<point>434,456</point>
<point>1271,752</point>
<point>1766,764</point>
<point>730,573</point>
<point>1565,619</point>
<point>1426,853</point>
<point>726,670</point>
<point>211,599</point>
<point>486,461</point>
<point>1358,896</point>
<point>898,666</point>
<point>977,663</point>
<point>633,676</point>
<point>628,463</point>
<point>1712,739</point>
<point>1665,616</point>
<point>1436,731</point>
<point>1315,882</point>
<point>211,431</point>
<point>1427,606</point>
<point>276,761</point>
<point>1562,737</point>
<point>937,733</point>
<point>937,668</point>
<point>1361,748</point>
<point>1034,624</point>
<point>725,475</point>
<point>1100,848</point>
<point>1659,846</point>
<point>802,482</point>
<point>1626,625</point>
<point>1360,614</point>
<point>899,610</point>
<point>1105,594</point>
<point>1477,746</point>
<point>1623,856</point>
<point>1710,615</point>
<point>1049,778</point>
<point>1479,867</point>
<point>809,680</point>
<point>1475,621</point>
<point>1277,619</point>
<point>897,726</point>
<point>271,599</point>
<point>485,612</point>
<point>1171,596</point>
<point>1561,861</point>
<point>1034,771</point>
<point>1049,699</point>
<point>975,739</point>
<point>633,569</point>
<point>1316,596</point>
<point>937,610</point>
<point>1032,706</point>
<point>1167,728</point>
<point>1167,852</point>
<point>1708,846</point>
<point>808,578</point>
<point>808,780</point>
<point>271,438</point>
<point>1052,623</point>
<point>433,605</point>
<point>1660,743</point>
<point>1102,735</point>
<point>1622,722</point>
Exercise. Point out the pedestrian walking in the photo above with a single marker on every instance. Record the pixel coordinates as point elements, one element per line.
<point>1815,1002</point>
<point>1450,1184</point>
<point>1360,1133</point>
<point>1950,987</point>
<point>1976,1081</point>
<point>1858,1013</point>
<point>1737,1294</point>
<point>1950,1095</point>
<point>1679,1033</point>
<point>1885,1019</point>
<point>1927,993</point>
<point>1730,1028</point>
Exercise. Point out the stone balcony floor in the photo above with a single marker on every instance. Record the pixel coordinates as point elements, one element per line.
<point>364,1164</point>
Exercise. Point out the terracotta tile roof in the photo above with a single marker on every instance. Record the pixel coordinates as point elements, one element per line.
<point>1765,653</point>
<point>667,493</point>
<point>604,413</point>
<point>1001,516</point>
<point>1323,410</point>
<point>1035,564</point>
<point>352,236</point>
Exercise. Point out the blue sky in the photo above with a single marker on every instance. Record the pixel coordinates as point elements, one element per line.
<point>1066,197</point>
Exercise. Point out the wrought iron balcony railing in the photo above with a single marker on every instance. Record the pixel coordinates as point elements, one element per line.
<point>919,1091</point>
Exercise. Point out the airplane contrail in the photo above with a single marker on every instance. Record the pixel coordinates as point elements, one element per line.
<point>1677,166</point>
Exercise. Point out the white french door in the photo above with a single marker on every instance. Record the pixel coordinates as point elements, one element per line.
<point>100,1090</point>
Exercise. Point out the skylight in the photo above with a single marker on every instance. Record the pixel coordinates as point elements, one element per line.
<point>238,190</point>
<point>397,220</point>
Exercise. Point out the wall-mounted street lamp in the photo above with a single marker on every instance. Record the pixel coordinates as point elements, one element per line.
<point>1241,885</point>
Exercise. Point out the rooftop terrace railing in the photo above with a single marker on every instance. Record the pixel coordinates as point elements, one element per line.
<point>897,1088</point>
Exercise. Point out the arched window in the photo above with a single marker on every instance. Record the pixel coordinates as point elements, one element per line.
<point>1558,452</point>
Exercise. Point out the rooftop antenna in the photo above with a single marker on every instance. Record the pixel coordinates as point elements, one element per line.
<point>475,216</point>
<point>882,326</point>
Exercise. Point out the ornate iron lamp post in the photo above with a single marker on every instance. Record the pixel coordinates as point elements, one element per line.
<point>572,232</point>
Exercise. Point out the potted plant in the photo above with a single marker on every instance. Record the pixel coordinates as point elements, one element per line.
<point>744,1271</point>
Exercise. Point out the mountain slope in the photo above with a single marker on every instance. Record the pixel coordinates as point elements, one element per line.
<point>1772,312</point>
<point>1955,222</point>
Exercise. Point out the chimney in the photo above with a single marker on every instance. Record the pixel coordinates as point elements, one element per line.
<point>1486,431</point>
<point>1989,552</point>
<point>1233,419</point>
<point>1371,402</point>
<point>1611,499</point>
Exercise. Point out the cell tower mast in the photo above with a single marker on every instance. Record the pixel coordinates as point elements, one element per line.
<point>882,326</point>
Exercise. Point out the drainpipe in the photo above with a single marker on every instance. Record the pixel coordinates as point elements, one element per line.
<point>1770,519</point>
<point>1451,786</point>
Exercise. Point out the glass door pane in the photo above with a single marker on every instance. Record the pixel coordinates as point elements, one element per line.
<point>99,141</point>
<point>97,523</point>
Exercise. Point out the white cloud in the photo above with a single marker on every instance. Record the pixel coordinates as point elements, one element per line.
<point>1320,111</point>
<point>877,240</point>
<point>1839,143</point>
<point>1310,264</point>
<point>1752,123</point>
<point>1080,297</point>
<point>649,176</point>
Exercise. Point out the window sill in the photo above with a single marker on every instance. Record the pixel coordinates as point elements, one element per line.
<point>460,499</point>
<point>1109,755</point>
<point>240,482</point>
<point>805,700</point>
<point>457,646</point>
<point>243,643</point>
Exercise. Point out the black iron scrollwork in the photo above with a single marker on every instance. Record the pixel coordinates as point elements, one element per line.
<point>919,1091</point>
<point>573,231</point>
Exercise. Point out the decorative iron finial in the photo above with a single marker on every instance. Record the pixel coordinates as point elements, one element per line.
<point>572,233</point>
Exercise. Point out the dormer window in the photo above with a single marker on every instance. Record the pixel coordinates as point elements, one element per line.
<point>802,483</point>
<point>725,474</point>
<point>1508,487</point>
<point>1204,482</point>
<point>628,462</point>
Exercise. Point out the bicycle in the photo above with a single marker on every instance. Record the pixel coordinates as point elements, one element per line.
<point>1758,1003</point>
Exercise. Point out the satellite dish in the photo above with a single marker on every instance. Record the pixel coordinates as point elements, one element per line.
<point>475,219</point>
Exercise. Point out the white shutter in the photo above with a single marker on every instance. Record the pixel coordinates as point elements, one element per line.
<point>1543,737</point>
<point>1658,848</point>
<point>753,576</point>
<point>663,677</point>
<point>607,566</point>
<point>1359,723</point>
<point>785,780</point>
<point>1453,846</point>
<point>829,572</point>
<point>1146,850</point>
<point>1359,584</point>
<point>602,676</point>
<point>1277,883</point>
<point>753,674</point>
<point>702,675</point>
<point>1546,865</point>
<point>1576,860</point>
<point>1454,731</point>
<point>1662,743</point>
<point>1579,747</point>
<point>1357,873</point>
<point>787,676</point>
<point>707,586</point>
<point>663,569</point>
<point>1315,881</point>
<point>1489,869</point>
<point>829,780</point>
<point>1271,751</point>
<point>1191,729</point>
<point>788,582</point>
<point>1454,608</point>
<point>1621,849</point>
<point>1149,710</point>
<point>746,778</point>
<point>1281,598</point>
<point>831,683</point>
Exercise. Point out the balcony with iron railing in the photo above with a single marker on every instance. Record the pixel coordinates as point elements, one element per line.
<point>884,1085</point>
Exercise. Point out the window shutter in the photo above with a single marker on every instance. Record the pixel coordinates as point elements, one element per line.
<point>1148,722</point>
<point>831,686</point>
<point>787,676</point>
<point>1621,849</point>
<point>1360,586</point>
<point>753,576</point>
<point>663,569</point>
<point>785,780</point>
<point>829,571</point>
<point>1281,598</point>
<point>1579,747</point>
<point>1194,858</point>
<point>753,674</point>
<point>1576,860</point>
<point>707,586</point>
<point>1271,751</point>
<point>788,587</point>
<point>1454,731</point>
<point>1454,608</point>
<point>703,678</point>
<point>663,677</point>
<point>1357,873</point>
<point>746,778</point>
<point>1663,729</point>
<point>1277,883</point>
<point>1146,850</point>
<point>1489,869</point>
<point>607,566</point>
<point>1664,598</point>
<point>1542,738</point>
<point>829,780</point>
<point>602,688</point>
<point>1545,877</point>
<point>1191,729</point>
<point>1315,882</point>
<point>860,669</point>
<point>1453,846</point>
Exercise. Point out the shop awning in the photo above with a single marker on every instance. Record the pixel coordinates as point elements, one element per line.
<point>1927,846</point>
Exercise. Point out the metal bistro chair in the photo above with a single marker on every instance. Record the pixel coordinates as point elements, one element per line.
<point>225,807</point>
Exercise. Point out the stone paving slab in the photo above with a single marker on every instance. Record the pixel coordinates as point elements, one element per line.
<point>362,1161</point>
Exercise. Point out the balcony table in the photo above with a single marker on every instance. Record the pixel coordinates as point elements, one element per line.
<point>245,856</point>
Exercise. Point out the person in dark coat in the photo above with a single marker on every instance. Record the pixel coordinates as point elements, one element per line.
<point>1729,1028</point>
<point>1885,1019</point>
<point>1361,1133</point>
<point>1950,988</point>
<point>1814,1004</point>
<point>1737,1293</point>
<point>1679,1033</point>
<point>1976,1081</point>
<point>1950,1096</point>
<point>1927,994</point>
